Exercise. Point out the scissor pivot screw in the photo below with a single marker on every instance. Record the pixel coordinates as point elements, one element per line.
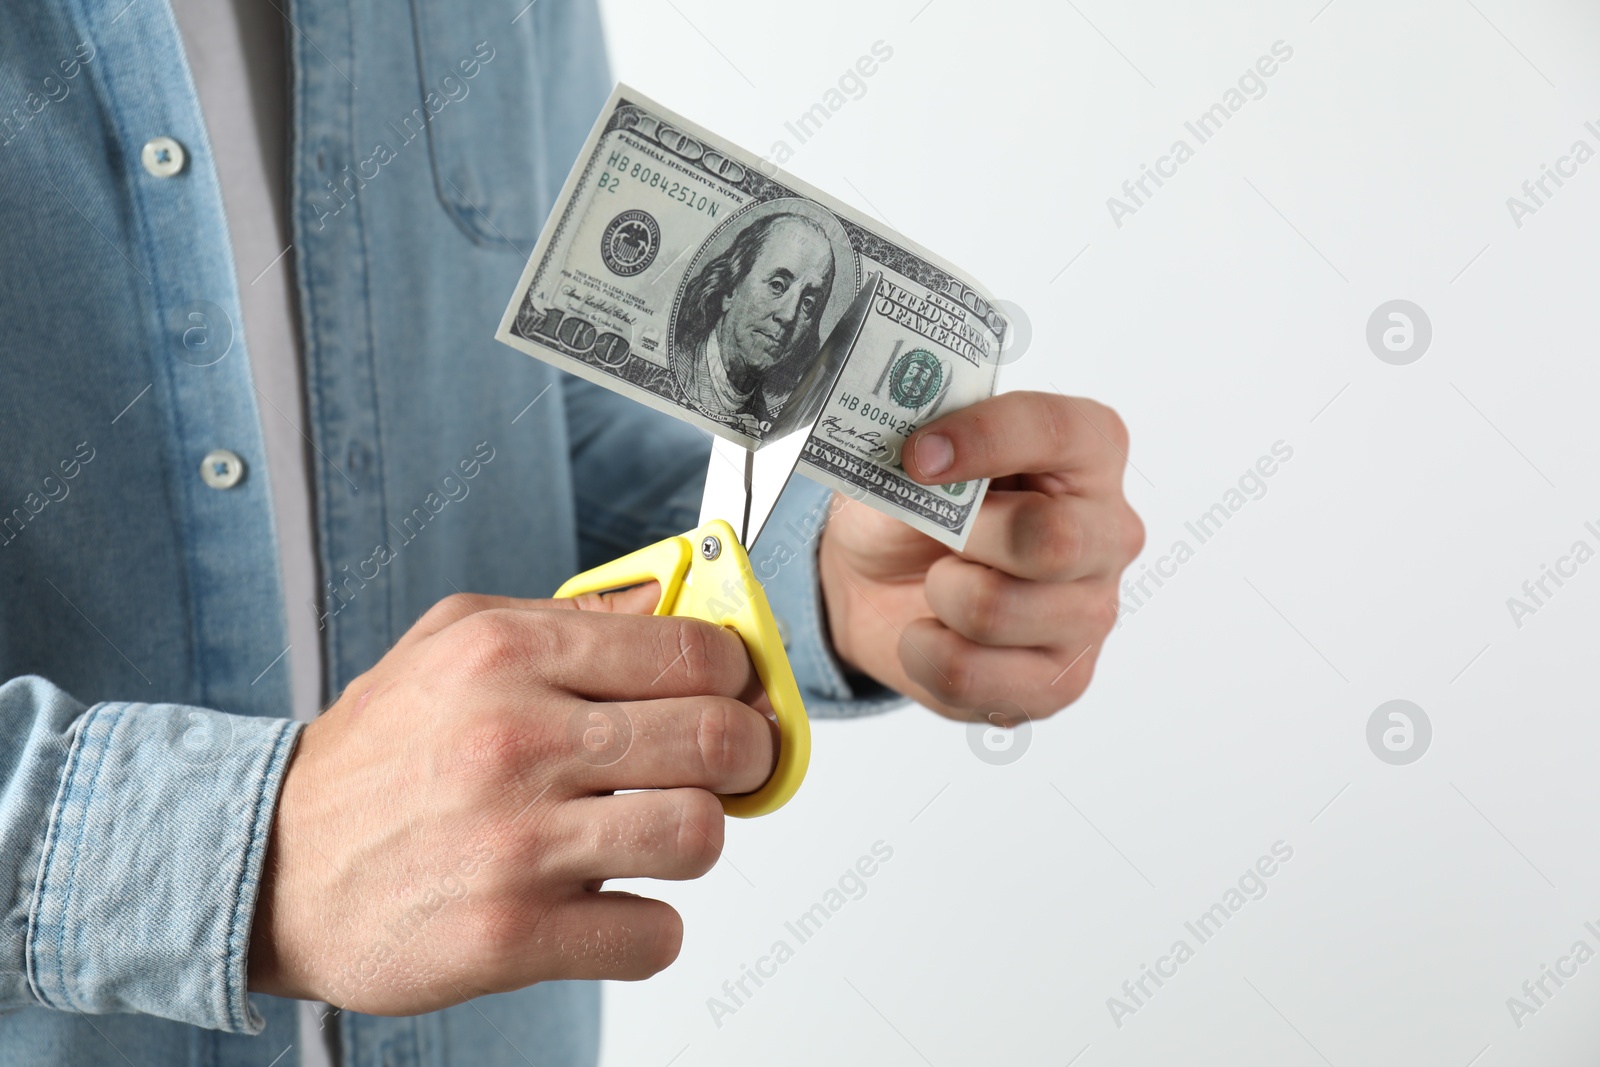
<point>710,548</point>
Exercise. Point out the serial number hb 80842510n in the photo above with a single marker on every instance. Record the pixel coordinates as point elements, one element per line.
<point>625,166</point>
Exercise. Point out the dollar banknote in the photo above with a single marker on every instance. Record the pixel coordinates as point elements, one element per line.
<point>690,274</point>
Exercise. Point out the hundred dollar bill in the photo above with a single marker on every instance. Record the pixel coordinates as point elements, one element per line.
<point>689,274</point>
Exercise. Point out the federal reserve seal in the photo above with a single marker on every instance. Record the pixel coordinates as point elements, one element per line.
<point>915,378</point>
<point>630,243</point>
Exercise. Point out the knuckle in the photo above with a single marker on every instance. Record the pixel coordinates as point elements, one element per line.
<point>586,602</point>
<point>1075,683</point>
<point>955,680</point>
<point>718,737</point>
<point>544,637</point>
<point>726,662</point>
<point>457,605</point>
<point>700,830</point>
<point>986,604</point>
<point>1104,612</point>
<point>1133,534</point>
<point>358,685</point>
<point>451,609</point>
<point>1113,426</point>
<point>1054,414</point>
<point>1064,678</point>
<point>960,689</point>
<point>1053,536</point>
<point>493,751</point>
<point>691,646</point>
<point>486,643</point>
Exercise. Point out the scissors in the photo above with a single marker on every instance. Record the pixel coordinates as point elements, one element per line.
<point>705,573</point>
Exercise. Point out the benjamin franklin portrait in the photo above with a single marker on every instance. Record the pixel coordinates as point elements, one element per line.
<point>750,319</point>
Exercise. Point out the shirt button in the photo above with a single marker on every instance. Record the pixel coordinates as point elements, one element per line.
<point>222,469</point>
<point>162,156</point>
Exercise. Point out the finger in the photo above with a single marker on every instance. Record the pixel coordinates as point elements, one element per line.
<point>639,600</point>
<point>600,935</point>
<point>673,834</point>
<point>962,679</point>
<point>1054,538</point>
<point>1081,441</point>
<point>993,608</point>
<point>635,600</point>
<point>713,743</point>
<point>601,655</point>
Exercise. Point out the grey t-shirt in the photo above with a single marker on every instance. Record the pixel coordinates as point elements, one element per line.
<point>237,56</point>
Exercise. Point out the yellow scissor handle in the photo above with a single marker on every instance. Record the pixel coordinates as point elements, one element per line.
<point>706,574</point>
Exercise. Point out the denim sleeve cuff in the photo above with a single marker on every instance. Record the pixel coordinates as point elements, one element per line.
<point>151,864</point>
<point>786,562</point>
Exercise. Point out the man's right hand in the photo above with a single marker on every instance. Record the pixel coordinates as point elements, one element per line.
<point>445,827</point>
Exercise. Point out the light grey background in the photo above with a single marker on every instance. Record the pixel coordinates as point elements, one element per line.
<point>1231,711</point>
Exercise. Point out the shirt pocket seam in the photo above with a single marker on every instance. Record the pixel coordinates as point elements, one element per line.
<point>473,147</point>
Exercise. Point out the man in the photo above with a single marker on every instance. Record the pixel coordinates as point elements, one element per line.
<point>246,343</point>
<point>749,312</point>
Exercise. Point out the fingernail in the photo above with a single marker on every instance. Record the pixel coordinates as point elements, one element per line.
<point>935,454</point>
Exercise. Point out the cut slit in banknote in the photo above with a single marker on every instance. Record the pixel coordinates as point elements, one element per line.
<point>743,485</point>
<point>687,273</point>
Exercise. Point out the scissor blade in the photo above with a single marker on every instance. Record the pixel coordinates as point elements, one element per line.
<point>743,487</point>
<point>728,484</point>
<point>816,385</point>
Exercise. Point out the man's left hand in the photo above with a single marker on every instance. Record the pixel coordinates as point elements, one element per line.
<point>1017,618</point>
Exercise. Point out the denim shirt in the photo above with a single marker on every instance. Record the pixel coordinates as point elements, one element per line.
<point>143,728</point>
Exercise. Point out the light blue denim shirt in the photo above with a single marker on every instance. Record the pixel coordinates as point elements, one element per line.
<point>143,738</point>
